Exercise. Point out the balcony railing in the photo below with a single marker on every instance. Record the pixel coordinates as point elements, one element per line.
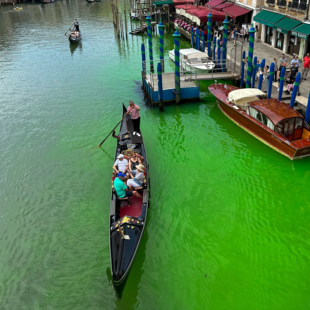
<point>281,3</point>
<point>302,6</point>
<point>270,2</point>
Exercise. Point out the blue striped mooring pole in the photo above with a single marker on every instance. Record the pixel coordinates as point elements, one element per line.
<point>308,109</point>
<point>218,53</point>
<point>143,58</point>
<point>271,72</point>
<point>282,73</point>
<point>214,47</point>
<point>160,87</point>
<point>209,33</point>
<point>161,45</point>
<point>242,69</point>
<point>260,80</point>
<point>176,36</point>
<point>203,40</point>
<point>295,89</point>
<point>226,22</point>
<point>250,57</point>
<point>197,39</point>
<point>254,71</point>
<point>149,36</point>
<point>193,40</point>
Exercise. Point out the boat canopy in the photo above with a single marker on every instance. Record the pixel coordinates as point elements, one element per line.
<point>197,55</point>
<point>243,96</point>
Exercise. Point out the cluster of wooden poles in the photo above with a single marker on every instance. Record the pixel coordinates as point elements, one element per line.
<point>118,21</point>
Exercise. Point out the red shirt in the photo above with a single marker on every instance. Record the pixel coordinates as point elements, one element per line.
<point>306,62</point>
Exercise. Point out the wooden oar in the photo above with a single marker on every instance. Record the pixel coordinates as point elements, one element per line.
<point>69,29</point>
<point>113,129</point>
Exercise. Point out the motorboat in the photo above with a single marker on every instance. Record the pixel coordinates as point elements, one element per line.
<point>194,60</point>
<point>271,121</point>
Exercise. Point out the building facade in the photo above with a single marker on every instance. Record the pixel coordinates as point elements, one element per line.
<point>285,25</point>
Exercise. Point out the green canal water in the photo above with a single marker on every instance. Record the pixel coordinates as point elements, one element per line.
<point>228,226</point>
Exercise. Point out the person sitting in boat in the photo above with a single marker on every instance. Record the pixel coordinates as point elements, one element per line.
<point>122,190</point>
<point>135,160</point>
<point>137,177</point>
<point>76,25</point>
<point>121,165</point>
<point>72,33</point>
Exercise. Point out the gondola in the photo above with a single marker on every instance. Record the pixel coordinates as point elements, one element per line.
<point>73,38</point>
<point>127,222</point>
<point>47,1</point>
<point>90,1</point>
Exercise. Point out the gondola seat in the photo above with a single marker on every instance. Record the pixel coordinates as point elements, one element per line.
<point>126,199</point>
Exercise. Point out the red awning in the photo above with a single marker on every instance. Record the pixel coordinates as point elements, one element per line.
<point>213,3</point>
<point>180,2</point>
<point>203,12</point>
<point>185,6</point>
<point>222,6</point>
<point>234,11</point>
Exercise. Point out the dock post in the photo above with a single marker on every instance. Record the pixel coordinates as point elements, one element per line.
<point>282,73</point>
<point>197,39</point>
<point>250,57</point>
<point>254,71</point>
<point>271,72</point>
<point>308,109</point>
<point>242,70</point>
<point>149,36</point>
<point>176,36</point>
<point>143,63</point>
<point>203,41</point>
<point>218,53</point>
<point>260,81</point>
<point>209,33</point>
<point>224,53</point>
<point>161,45</point>
<point>214,46</point>
<point>295,89</point>
<point>193,40</point>
<point>160,87</point>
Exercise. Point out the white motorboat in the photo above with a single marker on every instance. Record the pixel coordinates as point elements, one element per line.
<point>190,59</point>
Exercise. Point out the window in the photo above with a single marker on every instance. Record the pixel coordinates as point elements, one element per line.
<point>280,126</point>
<point>298,123</point>
<point>265,119</point>
<point>289,127</point>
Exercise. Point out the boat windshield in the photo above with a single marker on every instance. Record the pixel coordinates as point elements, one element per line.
<point>262,118</point>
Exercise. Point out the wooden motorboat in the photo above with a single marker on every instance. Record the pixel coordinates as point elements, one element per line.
<point>194,60</point>
<point>127,223</point>
<point>271,121</point>
<point>75,36</point>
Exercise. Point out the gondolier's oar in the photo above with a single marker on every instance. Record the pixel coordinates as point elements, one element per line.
<point>114,128</point>
<point>69,29</point>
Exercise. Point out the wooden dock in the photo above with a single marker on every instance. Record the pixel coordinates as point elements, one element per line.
<point>142,29</point>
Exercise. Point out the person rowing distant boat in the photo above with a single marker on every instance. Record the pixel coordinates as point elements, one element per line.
<point>76,25</point>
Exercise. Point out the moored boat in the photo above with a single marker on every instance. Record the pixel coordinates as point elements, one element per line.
<point>47,1</point>
<point>127,222</point>
<point>75,36</point>
<point>18,8</point>
<point>271,121</point>
<point>194,60</point>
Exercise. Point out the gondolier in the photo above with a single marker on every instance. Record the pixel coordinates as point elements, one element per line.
<point>134,109</point>
<point>76,25</point>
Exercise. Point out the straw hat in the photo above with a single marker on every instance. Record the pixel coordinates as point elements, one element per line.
<point>140,168</point>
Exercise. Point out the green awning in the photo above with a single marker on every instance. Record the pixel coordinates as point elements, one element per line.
<point>268,18</point>
<point>161,3</point>
<point>286,24</point>
<point>301,31</point>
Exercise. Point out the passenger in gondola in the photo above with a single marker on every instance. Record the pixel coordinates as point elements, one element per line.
<point>122,190</point>
<point>135,160</point>
<point>121,165</point>
<point>76,25</point>
<point>137,177</point>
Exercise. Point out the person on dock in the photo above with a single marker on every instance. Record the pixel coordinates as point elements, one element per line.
<point>121,165</point>
<point>305,68</point>
<point>134,109</point>
<point>295,61</point>
<point>122,190</point>
<point>266,77</point>
<point>76,25</point>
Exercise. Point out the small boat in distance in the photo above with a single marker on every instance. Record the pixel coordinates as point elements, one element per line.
<point>271,121</point>
<point>92,1</point>
<point>18,8</point>
<point>190,59</point>
<point>75,36</point>
<point>47,1</point>
<point>127,223</point>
